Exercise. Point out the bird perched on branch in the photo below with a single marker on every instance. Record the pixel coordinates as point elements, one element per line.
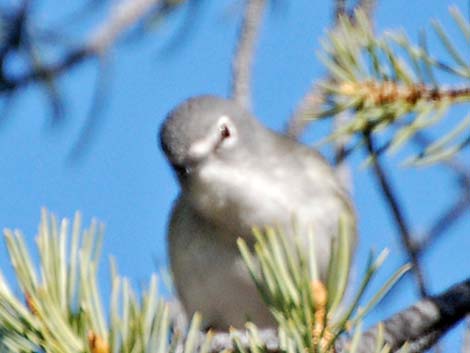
<point>235,174</point>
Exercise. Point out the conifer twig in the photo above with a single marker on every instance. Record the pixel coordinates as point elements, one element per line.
<point>462,171</point>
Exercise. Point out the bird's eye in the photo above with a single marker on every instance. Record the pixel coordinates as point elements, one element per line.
<point>224,132</point>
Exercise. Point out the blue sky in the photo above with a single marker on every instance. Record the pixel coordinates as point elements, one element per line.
<point>123,179</point>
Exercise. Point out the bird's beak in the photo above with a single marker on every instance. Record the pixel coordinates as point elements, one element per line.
<point>182,171</point>
<point>196,153</point>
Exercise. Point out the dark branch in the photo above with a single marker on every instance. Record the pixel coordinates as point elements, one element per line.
<point>121,17</point>
<point>45,72</point>
<point>242,62</point>
<point>396,211</point>
<point>14,28</point>
<point>421,325</point>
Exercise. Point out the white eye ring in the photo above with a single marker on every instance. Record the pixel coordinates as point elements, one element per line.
<point>225,136</point>
<point>227,130</point>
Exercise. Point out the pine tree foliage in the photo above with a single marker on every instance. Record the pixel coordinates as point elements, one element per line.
<point>308,312</point>
<point>391,84</point>
<point>60,309</point>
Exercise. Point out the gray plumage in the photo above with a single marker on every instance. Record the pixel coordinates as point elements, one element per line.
<point>235,174</point>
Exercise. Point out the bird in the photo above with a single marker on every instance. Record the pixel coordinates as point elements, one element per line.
<point>235,174</point>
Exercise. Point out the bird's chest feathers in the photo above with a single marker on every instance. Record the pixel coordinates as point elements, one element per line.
<point>245,196</point>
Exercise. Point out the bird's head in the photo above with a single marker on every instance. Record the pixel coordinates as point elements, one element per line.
<point>202,128</point>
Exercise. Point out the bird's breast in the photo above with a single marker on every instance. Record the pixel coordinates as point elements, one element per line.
<point>241,198</point>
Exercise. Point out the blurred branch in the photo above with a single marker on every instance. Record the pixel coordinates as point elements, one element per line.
<point>192,15</point>
<point>396,211</point>
<point>314,98</point>
<point>242,62</point>
<point>42,73</point>
<point>121,17</point>
<point>49,83</point>
<point>15,29</point>
<point>456,210</point>
<point>94,116</point>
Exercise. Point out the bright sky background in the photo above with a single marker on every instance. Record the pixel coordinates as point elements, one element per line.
<point>124,180</point>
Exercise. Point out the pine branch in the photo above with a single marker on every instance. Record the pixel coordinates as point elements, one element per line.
<point>382,88</point>
<point>304,308</point>
<point>381,93</point>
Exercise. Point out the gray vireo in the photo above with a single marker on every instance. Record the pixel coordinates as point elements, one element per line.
<point>235,174</point>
